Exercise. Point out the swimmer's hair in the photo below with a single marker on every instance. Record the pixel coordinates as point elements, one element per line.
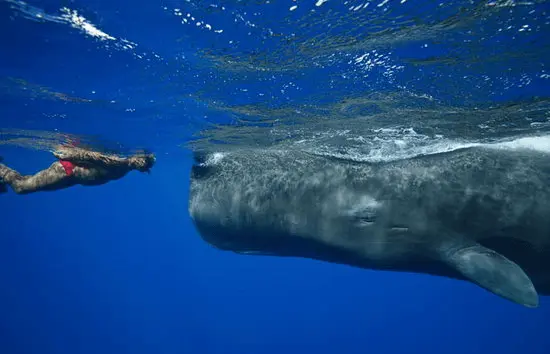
<point>142,162</point>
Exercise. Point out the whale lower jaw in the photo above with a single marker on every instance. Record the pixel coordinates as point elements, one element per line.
<point>457,259</point>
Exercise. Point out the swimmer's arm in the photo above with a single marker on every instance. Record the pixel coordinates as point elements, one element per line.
<point>83,156</point>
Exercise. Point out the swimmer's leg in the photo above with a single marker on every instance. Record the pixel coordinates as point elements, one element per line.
<point>50,179</point>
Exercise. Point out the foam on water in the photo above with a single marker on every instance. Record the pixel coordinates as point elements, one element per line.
<point>74,19</point>
<point>537,143</point>
<point>392,148</point>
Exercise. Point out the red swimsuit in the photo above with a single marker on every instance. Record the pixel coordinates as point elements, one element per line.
<point>68,166</point>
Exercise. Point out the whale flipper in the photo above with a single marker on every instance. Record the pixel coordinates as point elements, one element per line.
<point>494,272</point>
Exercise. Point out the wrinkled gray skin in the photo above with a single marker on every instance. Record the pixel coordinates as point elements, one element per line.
<point>478,214</point>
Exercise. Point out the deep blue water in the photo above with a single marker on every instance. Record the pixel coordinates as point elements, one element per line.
<point>120,268</point>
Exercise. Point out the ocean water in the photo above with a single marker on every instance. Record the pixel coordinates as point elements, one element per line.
<point>119,268</point>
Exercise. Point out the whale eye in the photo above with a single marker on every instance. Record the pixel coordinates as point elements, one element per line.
<point>364,223</point>
<point>366,218</point>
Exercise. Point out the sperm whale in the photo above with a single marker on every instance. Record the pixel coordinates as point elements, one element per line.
<point>479,214</point>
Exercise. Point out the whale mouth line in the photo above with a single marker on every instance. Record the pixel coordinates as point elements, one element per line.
<point>369,222</point>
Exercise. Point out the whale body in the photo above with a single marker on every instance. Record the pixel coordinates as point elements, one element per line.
<point>479,214</point>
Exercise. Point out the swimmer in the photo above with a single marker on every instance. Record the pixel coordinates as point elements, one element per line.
<point>74,166</point>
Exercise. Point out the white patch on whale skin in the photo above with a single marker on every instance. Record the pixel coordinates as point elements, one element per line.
<point>352,204</point>
<point>213,159</point>
<point>365,206</point>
